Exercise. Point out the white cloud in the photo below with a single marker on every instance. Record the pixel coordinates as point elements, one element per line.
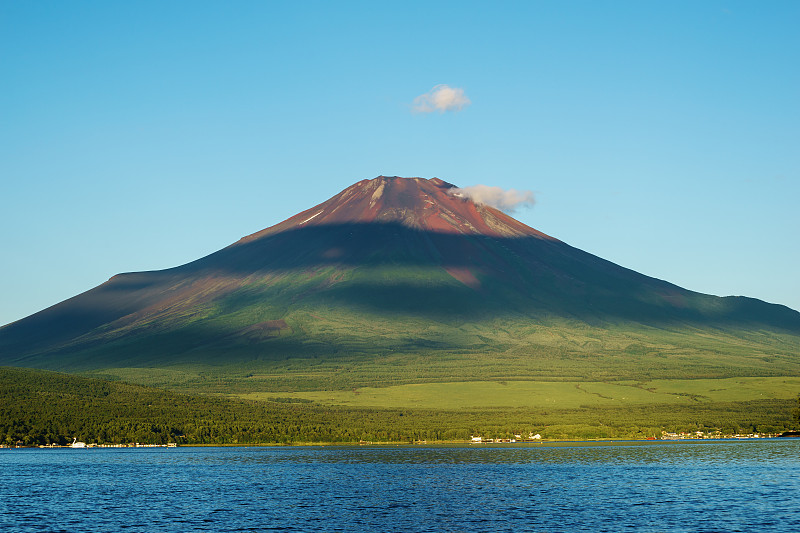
<point>504,200</point>
<point>441,98</point>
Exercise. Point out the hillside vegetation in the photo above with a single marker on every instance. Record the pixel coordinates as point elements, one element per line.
<point>328,347</point>
<point>41,407</point>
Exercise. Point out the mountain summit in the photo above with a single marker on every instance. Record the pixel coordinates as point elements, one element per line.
<point>388,266</point>
<point>418,203</point>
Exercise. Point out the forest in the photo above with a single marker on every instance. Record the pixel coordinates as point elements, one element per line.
<point>40,407</point>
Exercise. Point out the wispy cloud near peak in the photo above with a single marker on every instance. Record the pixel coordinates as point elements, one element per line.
<point>504,200</point>
<point>441,98</point>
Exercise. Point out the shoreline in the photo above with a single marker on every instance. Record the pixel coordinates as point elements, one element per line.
<point>458,443</point>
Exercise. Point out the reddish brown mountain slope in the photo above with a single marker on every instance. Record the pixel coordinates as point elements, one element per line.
<point>427,205</point>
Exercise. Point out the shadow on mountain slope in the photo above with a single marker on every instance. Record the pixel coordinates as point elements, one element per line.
<point>491,277</point>
<point>529,274</point>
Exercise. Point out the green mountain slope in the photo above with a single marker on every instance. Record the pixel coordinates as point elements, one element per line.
<point>400,281</point>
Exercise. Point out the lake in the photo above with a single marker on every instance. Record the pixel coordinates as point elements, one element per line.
<point>662,486</point>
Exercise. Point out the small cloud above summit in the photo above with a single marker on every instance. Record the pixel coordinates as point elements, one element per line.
<point>504,200</point>
<point>441,98</point>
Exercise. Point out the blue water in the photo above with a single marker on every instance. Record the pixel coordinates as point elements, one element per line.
<point>676,486</point>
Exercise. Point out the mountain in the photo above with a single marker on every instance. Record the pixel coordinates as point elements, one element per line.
<point>413,280</point>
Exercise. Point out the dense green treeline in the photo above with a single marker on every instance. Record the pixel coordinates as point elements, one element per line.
<point>39,407</point>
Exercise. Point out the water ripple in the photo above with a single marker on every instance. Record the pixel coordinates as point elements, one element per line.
<point>698,486</point>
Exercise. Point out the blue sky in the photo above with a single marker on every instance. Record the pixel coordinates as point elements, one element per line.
<point>143,135</point>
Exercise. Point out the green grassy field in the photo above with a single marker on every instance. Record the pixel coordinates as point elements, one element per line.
<point>552,395</point>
